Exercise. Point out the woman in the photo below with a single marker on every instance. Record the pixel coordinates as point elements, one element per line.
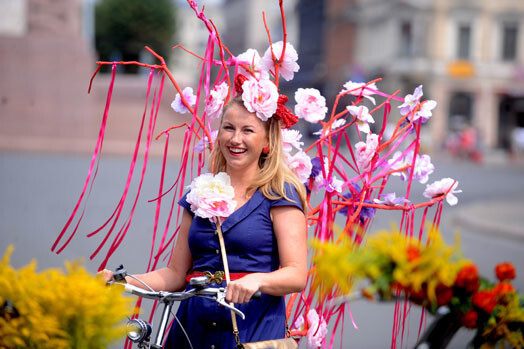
<point>265,239</point>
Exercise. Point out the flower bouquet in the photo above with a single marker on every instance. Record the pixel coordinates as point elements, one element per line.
<point>212,197</point>
<point>53,309</point>
<point>432,275</point>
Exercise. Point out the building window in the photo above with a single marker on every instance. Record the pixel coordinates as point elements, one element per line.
<point>406,39</point>
<point>464,41</point>
<point>510,32</point>
<point>460,110</point>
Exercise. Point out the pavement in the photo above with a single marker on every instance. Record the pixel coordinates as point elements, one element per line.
<point>497,217</point>
<point>500,217</point>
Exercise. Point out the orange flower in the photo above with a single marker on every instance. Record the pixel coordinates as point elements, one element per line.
<point>468,278</point>
<point>502,288</point>
<point>413,253</point>
<point>485,300</point>
<point>505,271</point>
<point>469,320</point>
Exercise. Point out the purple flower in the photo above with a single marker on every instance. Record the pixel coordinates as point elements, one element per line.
<point>317,169</point>
<point>367,212</point>
<point>190,98</point>
<point>204,143</point>
<point>391,199</point>
<point>411,101</point>
<point>422,169</point>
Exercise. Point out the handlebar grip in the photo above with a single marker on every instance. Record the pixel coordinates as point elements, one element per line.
<point>256,295</point>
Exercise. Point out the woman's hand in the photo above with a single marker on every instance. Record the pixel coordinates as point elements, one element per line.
<point>241,290</point>
<point>106,275</point>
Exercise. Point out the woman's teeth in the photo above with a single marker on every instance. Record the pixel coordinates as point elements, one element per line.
<point>236,150</point>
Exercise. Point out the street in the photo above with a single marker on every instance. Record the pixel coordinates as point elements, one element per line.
<point>38,192</point>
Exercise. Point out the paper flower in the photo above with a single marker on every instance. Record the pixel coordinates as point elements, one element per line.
<point>425,110</point>
<point>300,164</point>
<point>204,143</point>
<point>422,169</point>
<point>331,184</point>
<point>366,151</point>
<point>411,102</point>
<point>363,117</point>
<point>311,106</point>
<point>215,101</point>
<point>362,91</point>
<point>260,97</point>
<point>190,98</point>
<point>253,60</point>
<point>390,199</point>
<point>288,65</point>
<point>290,140</point>
<point>317,328</point>
<point>334,126</point>
<point>440,188</point>
<point>212,196</point>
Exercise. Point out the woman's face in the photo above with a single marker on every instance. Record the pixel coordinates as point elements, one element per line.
<point>241,137</point>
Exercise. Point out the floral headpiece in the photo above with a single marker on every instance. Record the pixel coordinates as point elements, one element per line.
<point>258,97</point>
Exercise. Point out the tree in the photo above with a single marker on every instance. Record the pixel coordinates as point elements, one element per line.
<point>124,27</point>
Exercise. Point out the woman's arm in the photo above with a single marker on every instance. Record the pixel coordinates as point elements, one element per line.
<point>289,224</point>
<point>173,277</point>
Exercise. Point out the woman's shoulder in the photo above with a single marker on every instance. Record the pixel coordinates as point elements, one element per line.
<point>290,197</point>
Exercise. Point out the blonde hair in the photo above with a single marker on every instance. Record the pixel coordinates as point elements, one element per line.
<point>273,173</point>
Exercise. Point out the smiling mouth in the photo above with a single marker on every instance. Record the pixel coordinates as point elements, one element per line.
<point>237,151</point>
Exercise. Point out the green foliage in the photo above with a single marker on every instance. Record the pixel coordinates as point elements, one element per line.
<point>124,27</point>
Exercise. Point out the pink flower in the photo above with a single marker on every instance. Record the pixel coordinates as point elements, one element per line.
<point>204,142</point>
<point>317,329</point>
<point>260,97</point>
<point>253,60</point>
<point>366,151</point>
<point>439,188</point>
<point>212,196</point>
<point>190,98</point>
<point>288,65</point>
<point>300,164</point>
<point>310,106</point>
<point>215,101</point>
<point>363,90</point>
<point>363,117</point>
<point>290,139</point>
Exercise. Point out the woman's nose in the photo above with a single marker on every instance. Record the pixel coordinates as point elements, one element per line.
<point>235,138</point>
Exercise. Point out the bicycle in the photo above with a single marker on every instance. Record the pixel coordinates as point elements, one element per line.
<point>139,331</point>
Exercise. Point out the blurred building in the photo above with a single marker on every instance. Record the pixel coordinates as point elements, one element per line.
<point>46,61</point>
<point>467,54</point>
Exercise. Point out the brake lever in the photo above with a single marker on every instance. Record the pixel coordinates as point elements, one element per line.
<point>221,299</point>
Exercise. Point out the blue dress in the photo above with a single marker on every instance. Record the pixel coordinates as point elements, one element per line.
<point>251,246</point>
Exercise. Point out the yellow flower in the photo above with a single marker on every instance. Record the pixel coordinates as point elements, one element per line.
<point>57,309</point>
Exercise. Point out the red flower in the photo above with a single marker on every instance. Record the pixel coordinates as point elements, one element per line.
<point>468,278</point>
<point>469,319</point>
<point>444,294</point>
<point>485,300</point>
<point>418,297</point>
<point>505,271</point>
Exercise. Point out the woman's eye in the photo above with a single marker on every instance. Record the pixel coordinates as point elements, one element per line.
<point>228,128</point>
<point>248,130</point>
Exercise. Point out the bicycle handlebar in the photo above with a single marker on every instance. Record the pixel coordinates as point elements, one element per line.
<point>215,294</point>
